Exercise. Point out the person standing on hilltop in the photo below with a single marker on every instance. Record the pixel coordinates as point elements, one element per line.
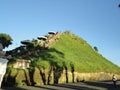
<point>114,79</point>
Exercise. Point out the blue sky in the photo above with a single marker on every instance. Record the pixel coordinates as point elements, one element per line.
<point>96,21</point>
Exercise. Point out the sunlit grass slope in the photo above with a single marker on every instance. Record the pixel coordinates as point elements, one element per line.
<point>77,52</point>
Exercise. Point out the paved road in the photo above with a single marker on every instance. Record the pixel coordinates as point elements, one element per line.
<point>103,85</point>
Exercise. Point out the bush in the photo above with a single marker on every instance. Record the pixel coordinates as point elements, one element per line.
<point>19,84</point>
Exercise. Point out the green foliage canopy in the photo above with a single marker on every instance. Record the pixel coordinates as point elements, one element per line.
<point>95,48</point>
<point>5,40</point>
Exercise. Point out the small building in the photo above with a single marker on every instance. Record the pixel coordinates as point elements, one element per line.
<point>22,64</point>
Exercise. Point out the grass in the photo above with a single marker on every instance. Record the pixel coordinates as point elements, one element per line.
<point>69,50</point>
<point>77,51</point>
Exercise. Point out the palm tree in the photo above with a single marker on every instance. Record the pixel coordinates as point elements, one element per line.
<point>5,40</point>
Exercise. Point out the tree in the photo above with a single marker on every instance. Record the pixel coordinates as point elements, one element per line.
<point>119,5</point>
<point>95,48</point>
<point>5,40</point>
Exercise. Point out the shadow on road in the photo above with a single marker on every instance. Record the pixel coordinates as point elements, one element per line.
<point>96,85</point>
<point>74,87</point>
<point>12,88</point>
<point>105,84</point>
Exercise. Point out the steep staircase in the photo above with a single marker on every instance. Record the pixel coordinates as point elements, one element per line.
<point>52,39</point>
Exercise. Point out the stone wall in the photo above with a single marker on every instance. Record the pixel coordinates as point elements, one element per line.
<point>87,76</point>
<point>45,76</point>
<point>76,77</point>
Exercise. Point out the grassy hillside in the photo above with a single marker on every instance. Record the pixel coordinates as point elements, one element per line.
<point>55,60</point>
<point>71,50</point>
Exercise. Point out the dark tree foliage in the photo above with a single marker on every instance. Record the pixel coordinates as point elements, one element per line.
<point>95,48</point>
<point>5,40</point>
<point>119,5</point>
<point>67,32</point>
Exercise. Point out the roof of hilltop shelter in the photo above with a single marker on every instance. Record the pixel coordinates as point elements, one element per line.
<point>51,32</point>
<point>42,38</point>
<point>26,42</point>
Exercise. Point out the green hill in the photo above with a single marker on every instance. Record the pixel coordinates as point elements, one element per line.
<point>70,49</point>
<point>62,58</point>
